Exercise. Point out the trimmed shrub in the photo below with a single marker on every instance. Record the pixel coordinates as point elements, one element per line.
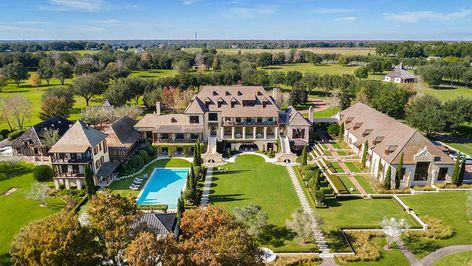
<point>365,250</point>
<point>43,173</point>
<point>333,130</point>
<point>437,229</point>
<point>144,155</point>
<point>136,162</point>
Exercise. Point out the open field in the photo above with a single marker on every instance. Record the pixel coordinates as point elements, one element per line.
<point>266,185</point>
<point>444,93</point>
<point>308,67</point>
<point>15,210</point>
<point>333,50</point>
<point>450,207</point>
<point>122,186</point>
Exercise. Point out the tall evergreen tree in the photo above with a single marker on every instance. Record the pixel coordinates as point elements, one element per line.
<point>91,188</point>
<point>364,153</point>
<point>388,178</point>
<point>180,209</point>
<point>304,156</point>
<point>398,173</point>
<point>341,131</point>
<point>460,178</point>
<point>455,172</point>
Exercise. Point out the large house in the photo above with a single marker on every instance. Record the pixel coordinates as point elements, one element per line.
<point>400,75</point>
<point>237,116</point>
<point>122,139</point>
<point>30,145</point>
<point>387,139</point>
<point>80,147</point>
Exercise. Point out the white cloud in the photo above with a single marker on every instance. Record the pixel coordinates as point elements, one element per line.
<point>346,19</point>
<point>417,16</point>
<point>331,10</point>
<point>77,5</point>
<point>250,12</point>
<point>189,2</point>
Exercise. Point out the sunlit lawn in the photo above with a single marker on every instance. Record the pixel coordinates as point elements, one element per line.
<point>463,258</point>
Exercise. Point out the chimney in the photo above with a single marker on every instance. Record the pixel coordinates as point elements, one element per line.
<point>275,93</point>
<point>158,108</point>
<point>310,115</point>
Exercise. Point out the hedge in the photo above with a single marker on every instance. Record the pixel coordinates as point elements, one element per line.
<point>338,184</point>
<point>43,173</point>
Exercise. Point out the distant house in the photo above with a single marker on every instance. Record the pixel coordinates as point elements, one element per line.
<point>80,147</point>
<point>30,143</point>
<point>139,50</point>
<point>122,139</point>
<point>162,224</point>
<point>107,104</point>
<point>400,75</point>
<point>387,139</point>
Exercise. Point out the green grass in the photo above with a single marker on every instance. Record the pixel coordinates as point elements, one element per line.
<point>348,184</point>
<point>450,207</point>
<point>308,67</point>
<point>336,145</point>
<point>388,258</point>
<point>359,213</point>
<point>154,73</point>
<point>463,258</point>
<point>251,180</point>
<point>327,112</point>
<point>335,167</point>
<point>328,153</point>
<point>444,93</point>
<point>352,167</point>
<point>365,183</point>
<point>16,211</point>
<point>342,189</point>
<point>122,186</point>
<point>465,147</point>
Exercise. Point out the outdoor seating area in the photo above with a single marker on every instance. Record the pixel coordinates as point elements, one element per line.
<point>137,182</point>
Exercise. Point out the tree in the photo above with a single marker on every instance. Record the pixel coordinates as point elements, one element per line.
<point>54,106</point>
<point>3,81</point>
<point>460,176</point>
<point>46,69</point>
<point>433,75</point>
<point>253,218</point>
<point>364,153</point>
<point>276,77</point>
<point>362,72</point>
<point>264,59</point>
<point>468,206</point>
<point>35,80</point>
<point>89,182</point>
<point>63,92</point>
<point>114,71</point>
<point>58,239</point>
<point>341,131</point>
<point>16,71</point>
<point>88,86</point>
<point>150,98</point>
<point>211,236</point>
<point>297,96</point>
<point>216,65</point>
<point>302,224</point>
<point>180,209</point>
<point>6,113</point>
<point>181,66</point>
<point>63,71</point>
<point>399,173</point>
<point>388,178</point>
<point>304,156</point>
<point>49,137</point>
<point>147,250</point>
<point>119,92</point>
<point>333,130</point>
<point>43,173</point>
<point>39,192</point>
<point>19,110</point>
<point>375,66</point>
<point>292,78</point>
<point>320,197</point>
<point>426,114</point>
<point>111,217</point>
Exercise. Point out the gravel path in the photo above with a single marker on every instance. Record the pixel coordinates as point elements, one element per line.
<point>436,255</point>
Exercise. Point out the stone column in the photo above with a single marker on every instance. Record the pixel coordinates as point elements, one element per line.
<point>265,132</point>
<point>222,132</point>
<point>232,132</point>
<point>79,184</point>
<point>244,132</point>
<point>56,183</point>
<point>67,183</point>
<point>276,133</point>
<point>254,129</point>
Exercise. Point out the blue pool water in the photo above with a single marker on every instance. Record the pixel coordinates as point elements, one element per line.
<point>163,187</point>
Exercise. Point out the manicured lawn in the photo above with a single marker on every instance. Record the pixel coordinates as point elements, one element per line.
<point>336,145</point>
<point>251,180</point>
<point>390,257</point>
<point>16,211</point>
<point>365,183</point>
<point>465,147</point>
<point>308,67</point>
<point>450,208</point>
<point>348,184</point>
<point>327,153</point>
<point>122,186</point>
<point>335,167</point>
<point>353,167</point>
<point>359,213</point>
<point>327,112</point>
<point>464,258</point>
<point>445,93</point>
<point>154,73</point>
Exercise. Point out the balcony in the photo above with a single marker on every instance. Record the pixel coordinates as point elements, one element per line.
<point>70,174</point>
<point>184,140</point>
<point>249,123</point>
<point>68,160</point>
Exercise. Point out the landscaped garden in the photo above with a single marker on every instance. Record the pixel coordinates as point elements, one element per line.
<point>17,211</point>
<point>251,180</point>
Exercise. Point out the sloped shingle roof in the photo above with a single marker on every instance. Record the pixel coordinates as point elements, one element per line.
<point>122,134</point>
<point>78,139</point>
<point>33,134</point>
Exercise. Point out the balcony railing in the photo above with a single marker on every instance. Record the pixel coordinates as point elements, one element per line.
<point>185,140</point>
<point>70,160</point>
<point>249,123</point>
<point>70,174</point>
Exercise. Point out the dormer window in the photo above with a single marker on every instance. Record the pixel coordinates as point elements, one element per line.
<point>259,93</point>
<point>367,132</point>
<point>349,119</point>
<point>390,149</point>
<point>240,93</point>
<point>227,93</point>
<point>378,139</point>
<point>233,102</point>
<point>173,120</point>
<point>215,93</point>
<point>220,102</point>
<point>357,125</point>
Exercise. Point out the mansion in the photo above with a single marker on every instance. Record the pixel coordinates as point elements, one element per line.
<point>387,140</point>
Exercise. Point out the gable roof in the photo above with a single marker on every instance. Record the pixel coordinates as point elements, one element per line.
<point>161,223</point>
<point>122,134</point>
<point>78,139</point>
<point>400,72</point>
<point>170,123</point>
<point>230,101</point>
<point>293,118</point>
<point>385,133</point>
<point>33,134</point>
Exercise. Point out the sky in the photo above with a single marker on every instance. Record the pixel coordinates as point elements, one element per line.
<point>236,19</point>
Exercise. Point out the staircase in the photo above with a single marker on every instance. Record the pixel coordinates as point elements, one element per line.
<point>285,155</point>
<point>211,156</point>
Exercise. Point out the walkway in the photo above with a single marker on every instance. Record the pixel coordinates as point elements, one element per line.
<point>319,238</point>
<point>436,255</point>
<point>205,200</point>
<point>408,254</point>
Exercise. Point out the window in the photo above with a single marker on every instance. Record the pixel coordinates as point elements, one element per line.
<point>179,136</point>
<point>421,171</point>
<point>105,146</point>
<point>164,136</point>
<point>102,160</point>
<point>194,119</point>
<point>442,174</point>
<point>238,119</point>
<point>97,164</point>
<point>194,136</point>
<point>95,150</point>
<point>213,117</point>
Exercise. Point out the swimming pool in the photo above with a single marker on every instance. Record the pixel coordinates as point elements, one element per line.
<point>163,187</point>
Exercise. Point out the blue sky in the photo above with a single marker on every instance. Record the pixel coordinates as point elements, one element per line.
<point>236,19</point>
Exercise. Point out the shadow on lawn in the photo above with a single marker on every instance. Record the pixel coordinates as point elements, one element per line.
<point>230,172</point>
<point>226,198</point>
<point>332,202</point>
<point>276,235</point>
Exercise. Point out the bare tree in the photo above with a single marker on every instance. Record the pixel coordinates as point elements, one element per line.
<point>302,224</point>
<point>5,113</point>
<point>39,192</point>
<point>20,110</point>
<point>49,136</point>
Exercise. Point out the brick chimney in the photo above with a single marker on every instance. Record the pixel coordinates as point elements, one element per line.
<point>310,115</point>
<point>158,108</point>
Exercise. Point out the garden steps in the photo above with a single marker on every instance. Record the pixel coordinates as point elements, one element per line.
<point>205,200</point>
